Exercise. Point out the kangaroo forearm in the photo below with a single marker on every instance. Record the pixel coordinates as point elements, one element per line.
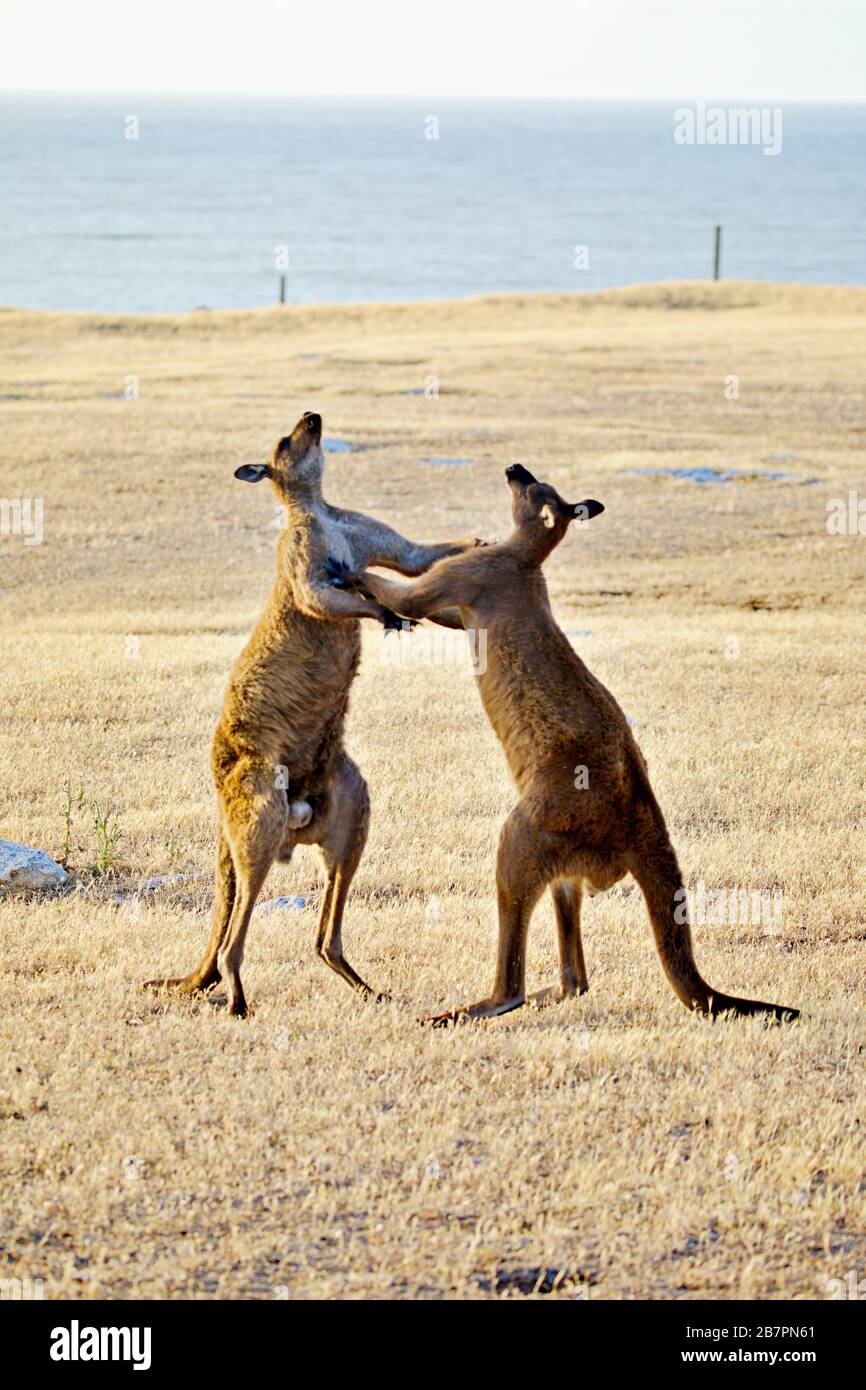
<point>327,603</point>
<point>421,557</point>
<point>401,598</point>
<point>413,559</point>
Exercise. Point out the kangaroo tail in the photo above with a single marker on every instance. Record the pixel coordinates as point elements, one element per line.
<point>658,875</point>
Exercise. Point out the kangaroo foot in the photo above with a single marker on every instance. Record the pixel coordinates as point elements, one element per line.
<point>338,963</point>
<point>485,1008</point>
<point>556,994</point>
<point>185,984</point>
<point>371,996</point>
<point>237,1006</point>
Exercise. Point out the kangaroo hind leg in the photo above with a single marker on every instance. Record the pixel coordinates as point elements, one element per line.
<point>341,838</point>
<point>255,826</point>
<point>567,894</point>
<point>522,872</point>
<point>207,972</point>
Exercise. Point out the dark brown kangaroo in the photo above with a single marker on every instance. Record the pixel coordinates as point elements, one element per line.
<point>282,775</point>
<point>587,813</point>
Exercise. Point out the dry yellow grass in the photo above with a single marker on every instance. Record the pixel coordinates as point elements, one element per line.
<point>325,1147</point>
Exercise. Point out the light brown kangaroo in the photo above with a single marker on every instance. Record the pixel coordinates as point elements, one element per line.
<point>587,813</point>
<point>282,775</point>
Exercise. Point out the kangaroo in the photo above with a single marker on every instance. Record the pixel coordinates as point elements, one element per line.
<point>281,772</point>
<point>554,720</point>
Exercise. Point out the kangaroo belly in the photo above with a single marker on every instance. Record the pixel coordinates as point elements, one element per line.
<point>286,700</point>
<point>569,747</point>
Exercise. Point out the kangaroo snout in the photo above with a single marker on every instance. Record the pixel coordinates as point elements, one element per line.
<point>516,473</point>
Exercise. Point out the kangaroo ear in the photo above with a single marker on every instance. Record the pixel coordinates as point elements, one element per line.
<point>586,510</point>
<point>252,472</point>
<point>547,516</point>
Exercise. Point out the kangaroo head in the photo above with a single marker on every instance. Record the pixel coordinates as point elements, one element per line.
<point>541,517</point>
<point>296,463</point>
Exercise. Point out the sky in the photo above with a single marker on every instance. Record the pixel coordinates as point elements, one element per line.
<point>755,50</point>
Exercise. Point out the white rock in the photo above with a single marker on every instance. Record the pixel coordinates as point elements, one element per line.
<point>296,904</point>
<point>162,881</point>
<point>433,910</point>
<point>25,870</point>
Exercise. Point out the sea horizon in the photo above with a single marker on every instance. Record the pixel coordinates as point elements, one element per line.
<point>144,203</point>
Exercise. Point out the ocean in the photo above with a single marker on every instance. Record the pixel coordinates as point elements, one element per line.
<point>155,204</point>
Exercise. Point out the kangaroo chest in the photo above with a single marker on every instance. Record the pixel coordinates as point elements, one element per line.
<point>336,539</point>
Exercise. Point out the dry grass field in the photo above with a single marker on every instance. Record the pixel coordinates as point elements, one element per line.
<point>610,1147</point>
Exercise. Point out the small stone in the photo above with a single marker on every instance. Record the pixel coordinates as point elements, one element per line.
<point>293,904</point>
<point>163,880</point>
<point>433,910</point>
